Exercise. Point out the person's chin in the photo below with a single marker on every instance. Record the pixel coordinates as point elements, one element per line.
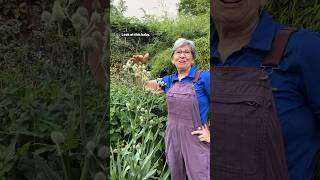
<point>182,68</point>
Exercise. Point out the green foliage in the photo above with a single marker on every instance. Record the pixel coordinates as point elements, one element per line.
<point>164,32</point>
<point>161,64</point>
<point>123,47</point>
<point>168,31</point>
<point>137,123</point>
<point>139,158</point>
<point>39,101</point>
<point>299,13</point>
<point>203,50</point>
<point>193,7</point>
<point>28,117</point>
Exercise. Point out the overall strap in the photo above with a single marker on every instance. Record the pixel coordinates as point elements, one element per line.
<point>196,77</point>
<point>279,43</point>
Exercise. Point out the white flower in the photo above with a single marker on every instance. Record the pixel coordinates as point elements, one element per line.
<point>128,106</point>
<point>135,67</point>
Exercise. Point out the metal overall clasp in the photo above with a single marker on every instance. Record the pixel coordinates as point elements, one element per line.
<point>267,70</point>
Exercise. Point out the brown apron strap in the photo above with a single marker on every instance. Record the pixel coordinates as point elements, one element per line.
<point>196,77</point>
<point>279,44</point>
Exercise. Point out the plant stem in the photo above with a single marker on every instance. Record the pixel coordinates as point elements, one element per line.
<point>65,174</point>
<point>82,94</point>
<point>85,167</point>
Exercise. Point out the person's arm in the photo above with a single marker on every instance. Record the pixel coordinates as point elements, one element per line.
<point>203,132</point>
<point>310,66</point>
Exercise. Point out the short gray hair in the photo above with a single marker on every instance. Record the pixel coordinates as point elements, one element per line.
<point>184,42</point>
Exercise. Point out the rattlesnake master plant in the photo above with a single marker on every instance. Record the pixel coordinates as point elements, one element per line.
<point>85,27</point>
<point>87,34</point>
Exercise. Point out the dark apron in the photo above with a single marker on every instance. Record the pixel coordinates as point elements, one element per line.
<point>247,142</point>
<point>186,154</point>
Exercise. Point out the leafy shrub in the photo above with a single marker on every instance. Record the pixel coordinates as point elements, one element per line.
<point>137,123</point>
<point>193,7</point>
<point>203,52</point>
<point>161,64</point>
<point>29,114</point>
<point>298,13</point>
<point>167,31</point>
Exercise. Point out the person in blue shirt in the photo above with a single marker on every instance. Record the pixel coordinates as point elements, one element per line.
<point>243,37</point>
<point>187,135</point>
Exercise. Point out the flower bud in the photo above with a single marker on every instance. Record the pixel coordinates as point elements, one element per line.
<point>75,18</point>
<point>57,137</point>
<point>96,35</point>
<point>103,152</point>
<point>83,11</point>
<point>90,146</point>
<point>95,18</point>
<point>57,12</point>
<point>88,43</point>
<point>83,23</point>
<point>46,17</point>
<point>63,2</point>
<point>100,176</point>
<point>96,5</point>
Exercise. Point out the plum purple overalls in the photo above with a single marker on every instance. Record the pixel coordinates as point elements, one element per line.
<point>185,153</point>
<point>247,142</point>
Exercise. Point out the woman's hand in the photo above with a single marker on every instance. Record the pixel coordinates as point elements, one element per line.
<point>140,59</point>
<point>203,133</point>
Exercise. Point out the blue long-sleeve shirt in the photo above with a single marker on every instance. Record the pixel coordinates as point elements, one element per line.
<point>297,84</point>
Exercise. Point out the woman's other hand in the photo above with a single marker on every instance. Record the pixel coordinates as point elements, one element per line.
<point>203,133</point>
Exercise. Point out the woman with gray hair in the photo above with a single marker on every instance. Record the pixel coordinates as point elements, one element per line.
<point>187,135</point>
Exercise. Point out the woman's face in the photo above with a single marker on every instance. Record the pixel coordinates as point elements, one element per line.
<point>233,13</point>
<point>182,58</point>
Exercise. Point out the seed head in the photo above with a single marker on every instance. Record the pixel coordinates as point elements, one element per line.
<point>95,18</point>
<point>100,176</point>
<point>83,11</point>
<point>103,152</point>
<point>46,17</point>
<point>96,35</point>
<point>90,146</point>
<point>57,137</point>
<point>57,12</point>
<point>88,43</point>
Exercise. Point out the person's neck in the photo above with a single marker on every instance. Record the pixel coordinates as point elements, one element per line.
<point>183,73</point>
<point>232,39</point>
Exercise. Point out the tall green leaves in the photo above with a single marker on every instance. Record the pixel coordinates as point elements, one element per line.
<point>299,13</point>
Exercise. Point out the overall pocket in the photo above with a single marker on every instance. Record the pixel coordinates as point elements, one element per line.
<point>238,135</point>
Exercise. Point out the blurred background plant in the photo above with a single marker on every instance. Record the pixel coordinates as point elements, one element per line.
<point>48,120</point>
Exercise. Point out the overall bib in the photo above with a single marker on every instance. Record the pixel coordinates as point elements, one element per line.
<point>185,153</point>
<point>247,142</point>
